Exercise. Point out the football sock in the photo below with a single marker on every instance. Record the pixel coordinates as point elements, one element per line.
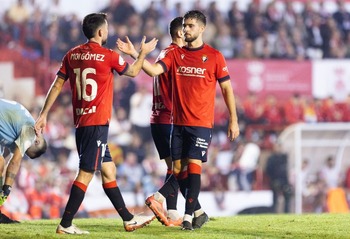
<point>170,191</point>
<point>182,179</point>
<point>171,200</point>
<point>183,189</point>
<point>113,193</point>
<point>159,197</point>
<point>170,187</point>
<point>194,184</point>
<point>198,212</point>
<point>188,218</point>
<point>76,197</point>
<point>173,214</point>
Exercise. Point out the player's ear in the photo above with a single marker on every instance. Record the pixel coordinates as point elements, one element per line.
<point>180,33</point>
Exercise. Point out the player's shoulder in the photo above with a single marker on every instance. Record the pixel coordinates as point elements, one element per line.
<point>209,48</point>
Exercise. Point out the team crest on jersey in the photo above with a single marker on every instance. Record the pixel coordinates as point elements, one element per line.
<point>204,58</point>
<point>182,56</point>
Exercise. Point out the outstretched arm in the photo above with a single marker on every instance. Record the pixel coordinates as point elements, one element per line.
<point>51,96</point>
<point>227,92</point>
<point>129,49</point>
<point>146,48</point>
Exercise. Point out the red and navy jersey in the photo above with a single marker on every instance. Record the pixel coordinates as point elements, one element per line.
<point>90,68</point>
<point>195,75</point>
<point>162,93</point>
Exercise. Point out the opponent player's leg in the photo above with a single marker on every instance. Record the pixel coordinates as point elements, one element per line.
<point>110,186</point>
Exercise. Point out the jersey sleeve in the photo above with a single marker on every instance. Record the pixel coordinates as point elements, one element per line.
<point>222,73</point>
<point>166,58</point>
<point>62,71</point>
<point>118,63</point>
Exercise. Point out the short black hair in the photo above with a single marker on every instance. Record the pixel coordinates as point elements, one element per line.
<point>196,14</point>
<point>175,25</point>
<point>92,22</point>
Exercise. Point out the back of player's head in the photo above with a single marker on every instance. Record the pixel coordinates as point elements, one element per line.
<point>196,14</point>
<point>175,25</point>
<point>92,22</point>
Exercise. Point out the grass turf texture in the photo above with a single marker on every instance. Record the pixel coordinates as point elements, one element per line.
<point>242,226</point>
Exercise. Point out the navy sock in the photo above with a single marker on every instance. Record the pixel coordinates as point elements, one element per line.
<point>113,193</point>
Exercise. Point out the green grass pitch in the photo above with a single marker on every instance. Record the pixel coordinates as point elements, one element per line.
<point>307,226</point>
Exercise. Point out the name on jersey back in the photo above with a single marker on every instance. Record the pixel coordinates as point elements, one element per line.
<point>87,56</point>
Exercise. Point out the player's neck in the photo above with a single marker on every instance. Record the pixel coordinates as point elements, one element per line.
<point>95,40</point>
<point>195,44</point>
<point>178,42</point>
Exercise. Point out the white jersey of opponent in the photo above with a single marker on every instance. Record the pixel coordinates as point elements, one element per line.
<point>16,126</point>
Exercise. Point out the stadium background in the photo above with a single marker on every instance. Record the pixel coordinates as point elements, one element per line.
<point>306,74</point>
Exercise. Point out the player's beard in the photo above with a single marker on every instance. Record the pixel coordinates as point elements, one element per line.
<point>104,42</point>
<point>190,39</point>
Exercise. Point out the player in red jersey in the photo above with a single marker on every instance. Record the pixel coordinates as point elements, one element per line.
<point>196,69</point>
<point>89,68</point>
<point>161,126</point>
<point>161,123</point>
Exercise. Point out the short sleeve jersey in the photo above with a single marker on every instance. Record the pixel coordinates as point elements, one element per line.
<point>90,70</point>
<point>16,126</point>
<point>196,72</point>
<point>162,93</point>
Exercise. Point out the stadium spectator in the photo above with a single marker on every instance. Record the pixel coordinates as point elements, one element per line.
<point>234,14</point>
<point>253,109</point>
<point>131,166</point>
<point>330,110</point>
<point>92,111</point>
<point>342,17</point>
<point>17,16</point>
<point>277,171</point>
<point>140,112</point>
<point>330,173</point>
<point>293,109</point>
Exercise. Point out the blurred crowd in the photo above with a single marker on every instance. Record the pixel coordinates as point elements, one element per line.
<point>43,185</point>
<point>273,30</point>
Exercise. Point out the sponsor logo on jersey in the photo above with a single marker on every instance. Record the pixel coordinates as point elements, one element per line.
<point>225,69</point>
<point>87,57</point>
<point>191,71</point>
<point>204,58</point>
<point>85,111</point>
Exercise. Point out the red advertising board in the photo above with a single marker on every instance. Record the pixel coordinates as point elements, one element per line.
<point>281,78</point>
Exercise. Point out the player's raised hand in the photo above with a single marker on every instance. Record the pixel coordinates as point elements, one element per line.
<point>126,46</point>
<point>147,47</point>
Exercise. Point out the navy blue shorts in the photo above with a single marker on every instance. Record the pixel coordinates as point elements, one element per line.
<point>92,147</point>
<point>190,142</point>
<point>161,136</point>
